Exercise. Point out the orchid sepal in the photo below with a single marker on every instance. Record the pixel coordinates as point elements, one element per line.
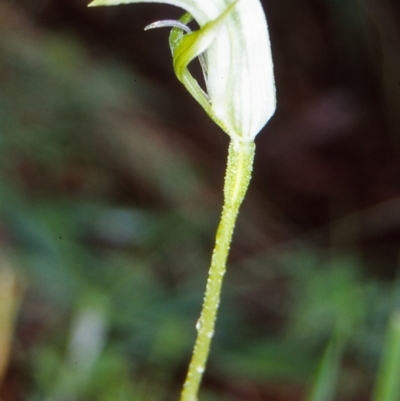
<point>184,49</point>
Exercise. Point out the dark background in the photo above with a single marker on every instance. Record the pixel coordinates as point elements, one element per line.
<point>111,189</point>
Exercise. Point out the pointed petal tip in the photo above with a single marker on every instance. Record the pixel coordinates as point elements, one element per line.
<point>95,3</point>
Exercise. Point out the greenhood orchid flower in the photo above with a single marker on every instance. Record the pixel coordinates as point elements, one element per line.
<point>235,51</point>
<point>233,47</point>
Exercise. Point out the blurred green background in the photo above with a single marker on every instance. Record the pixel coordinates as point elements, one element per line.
<point>110,193</point>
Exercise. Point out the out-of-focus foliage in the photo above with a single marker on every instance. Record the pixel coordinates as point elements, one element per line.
<point>106,223</point>
<point>95,310</point>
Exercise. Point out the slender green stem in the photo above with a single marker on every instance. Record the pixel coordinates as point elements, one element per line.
<point>237,178</point>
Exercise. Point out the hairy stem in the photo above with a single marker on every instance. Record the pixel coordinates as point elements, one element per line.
<point>237,178</point>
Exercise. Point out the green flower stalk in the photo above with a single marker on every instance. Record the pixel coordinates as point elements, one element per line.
<point>233,46</point>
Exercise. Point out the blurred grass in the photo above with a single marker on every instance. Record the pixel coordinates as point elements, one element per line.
<point>114,278</point>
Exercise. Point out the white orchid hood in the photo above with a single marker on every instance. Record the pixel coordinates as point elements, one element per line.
<point>235,50</point>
